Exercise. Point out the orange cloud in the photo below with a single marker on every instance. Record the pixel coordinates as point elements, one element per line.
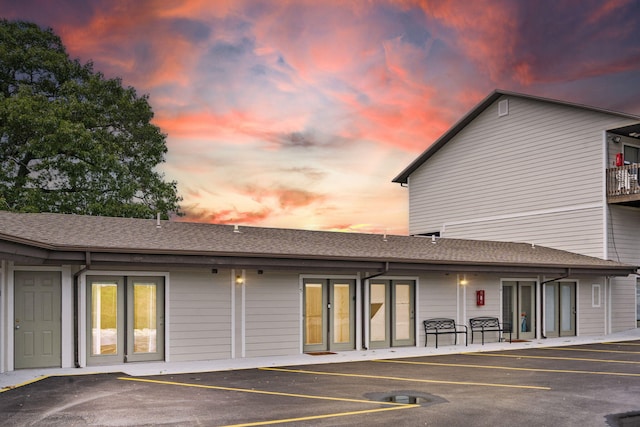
<point>287,198</point>
<point>228,216</point>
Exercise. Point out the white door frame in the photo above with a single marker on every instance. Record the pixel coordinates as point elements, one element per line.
<point>82,307</point>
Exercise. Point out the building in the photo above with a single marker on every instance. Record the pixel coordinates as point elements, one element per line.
<point>528,169</point>
<point>85,291</point>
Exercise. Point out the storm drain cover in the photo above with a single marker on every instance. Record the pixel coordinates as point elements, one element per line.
<point>629,419</point>
<point>407,397</point>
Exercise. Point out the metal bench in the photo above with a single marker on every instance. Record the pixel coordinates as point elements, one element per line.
<point>442,326</point>
<point>489,324</point>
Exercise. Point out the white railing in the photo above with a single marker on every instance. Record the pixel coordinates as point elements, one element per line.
<point>623,180</point>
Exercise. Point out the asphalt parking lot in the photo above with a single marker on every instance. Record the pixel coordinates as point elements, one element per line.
<point>581,385</point>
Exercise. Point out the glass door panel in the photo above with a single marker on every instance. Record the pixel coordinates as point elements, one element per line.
<point>567,309</point>
<point>342,310</point>
<point>145,319</point>
<point>403,314</point>
<point>105,299</point>
<point>378,314</point>
<point>104,306</point>
<point>550,311</point>
<point>314,316</point>
<point>341,313</point>
<point>145,326</point>
<point>527,321</point>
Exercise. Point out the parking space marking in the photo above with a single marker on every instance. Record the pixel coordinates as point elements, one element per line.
<point>44,377</point>
<point>579,359</point>
<point>509,368</point>
<point>621,343</point>
<point>590,350</point>
<point>251,390</point>
<point>338,374</point>
<point>35,380</point>
<point>389,406</point>
<point>319,417</point>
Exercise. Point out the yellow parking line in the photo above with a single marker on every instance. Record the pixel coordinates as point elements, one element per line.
<point>509,368</point>
<point>621,343</point>
<point>35,380</point>
<point>43,377</point>
<point>250,390</point>
<point>298,371</point>
<point>318,417</point>
<point>589,350</point>
<point>580,359</point>
<point>390,406</point>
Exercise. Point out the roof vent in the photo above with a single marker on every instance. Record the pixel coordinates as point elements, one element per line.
<point>236,229</point>
<point>503,108</point>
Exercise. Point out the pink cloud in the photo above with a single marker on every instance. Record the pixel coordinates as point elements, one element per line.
<point>606,10</point>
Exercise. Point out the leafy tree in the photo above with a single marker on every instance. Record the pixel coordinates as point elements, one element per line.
<point>71,140</point>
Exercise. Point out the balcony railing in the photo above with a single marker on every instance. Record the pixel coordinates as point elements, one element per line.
<point>623,185</point>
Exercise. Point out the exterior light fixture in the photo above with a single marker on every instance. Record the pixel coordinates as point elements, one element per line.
<point>464,280</point>
<point>239,280</point>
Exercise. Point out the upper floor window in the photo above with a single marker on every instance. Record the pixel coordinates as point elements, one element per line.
<point>631,154</point>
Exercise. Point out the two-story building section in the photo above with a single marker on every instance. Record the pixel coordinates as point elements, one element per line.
<point>522,168</point>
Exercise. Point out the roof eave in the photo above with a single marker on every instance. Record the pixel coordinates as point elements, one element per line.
<point>289,261</point>
<point>403,177</point>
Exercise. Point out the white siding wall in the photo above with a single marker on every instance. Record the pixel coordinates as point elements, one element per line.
<point>540,157</point>
<point>624,234</point>
<point>623,300</point>
<point>573,230</point>
<point>272,314</point>
<point>624,246</point>
<point>440,297</point>
<point>591,319</point>
<point>437,298</point>
<point>200,315</point>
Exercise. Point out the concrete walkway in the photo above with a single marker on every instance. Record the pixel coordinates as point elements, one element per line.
<point>20,377</point>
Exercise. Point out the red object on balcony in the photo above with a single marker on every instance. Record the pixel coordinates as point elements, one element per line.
<point>619,159</point>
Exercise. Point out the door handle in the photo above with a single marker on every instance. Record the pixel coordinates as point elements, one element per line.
<point>17,326</point>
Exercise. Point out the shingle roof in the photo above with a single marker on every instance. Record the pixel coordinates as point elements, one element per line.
<point>58,232</point>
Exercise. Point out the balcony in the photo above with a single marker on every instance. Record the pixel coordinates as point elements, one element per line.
<point>622,185</point>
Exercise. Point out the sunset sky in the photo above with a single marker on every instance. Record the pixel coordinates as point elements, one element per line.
<point>298,114</point>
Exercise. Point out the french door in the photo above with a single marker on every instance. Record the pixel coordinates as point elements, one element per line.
<point>125,319</point>
<point>560,309</point>
<point>519,308</point>
<point>329,314</point>
<point>391,313</point>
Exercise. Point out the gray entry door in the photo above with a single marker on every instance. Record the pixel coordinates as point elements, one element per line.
<point>37,319</point>
<point>329,314</point>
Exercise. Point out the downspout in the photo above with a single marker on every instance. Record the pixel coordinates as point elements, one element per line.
<point>76,306</point>
<point>364,283</point>
<point>542,306</point>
